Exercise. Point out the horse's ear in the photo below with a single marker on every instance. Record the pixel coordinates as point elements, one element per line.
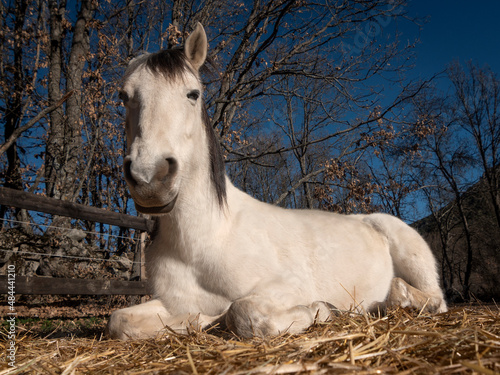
<point>196,47</point>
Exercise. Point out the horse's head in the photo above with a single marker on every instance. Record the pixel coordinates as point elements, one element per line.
<point>164,123</point>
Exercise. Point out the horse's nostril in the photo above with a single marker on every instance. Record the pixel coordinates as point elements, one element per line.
<point>127,170</point>
<point>172,165</point>
<point>166,170</point>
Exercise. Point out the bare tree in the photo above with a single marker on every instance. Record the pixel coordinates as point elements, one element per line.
<point>477,106</point>
<point>314,60</point>
<point>20,63</point>
<point>445,158</point>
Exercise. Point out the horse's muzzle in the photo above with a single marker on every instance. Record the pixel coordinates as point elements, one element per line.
<point>153,193</point>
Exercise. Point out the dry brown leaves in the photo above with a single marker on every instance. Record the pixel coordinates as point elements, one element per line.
<point>464,340</point>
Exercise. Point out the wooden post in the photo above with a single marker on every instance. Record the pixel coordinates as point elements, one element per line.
<point>142,247</point>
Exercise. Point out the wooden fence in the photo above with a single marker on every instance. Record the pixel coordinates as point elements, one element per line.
<point>54,285</point>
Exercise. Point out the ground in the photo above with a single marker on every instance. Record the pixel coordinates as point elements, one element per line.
<point>465,340</point>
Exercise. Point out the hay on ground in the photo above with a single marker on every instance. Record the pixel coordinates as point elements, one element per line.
<point>463,341</point>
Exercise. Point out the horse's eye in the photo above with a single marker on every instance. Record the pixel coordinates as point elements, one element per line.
<point>193,95</point>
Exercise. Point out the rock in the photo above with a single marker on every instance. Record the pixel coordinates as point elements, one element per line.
<point>31,267</point>
<point>76,235</point>
<point>122,263</point>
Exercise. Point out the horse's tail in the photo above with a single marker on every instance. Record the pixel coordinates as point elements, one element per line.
<point>412,258</point>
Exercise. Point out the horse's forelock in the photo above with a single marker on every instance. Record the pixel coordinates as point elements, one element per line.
<point>170,63</point>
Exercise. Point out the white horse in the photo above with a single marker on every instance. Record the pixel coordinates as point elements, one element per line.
<point>220,256</point>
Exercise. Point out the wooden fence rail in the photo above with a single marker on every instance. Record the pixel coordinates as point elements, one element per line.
<point>53,285</point>
<point>28,201</point>
<point>56,285</point>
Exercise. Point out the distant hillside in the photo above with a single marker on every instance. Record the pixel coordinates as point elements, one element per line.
<point>446,235</point>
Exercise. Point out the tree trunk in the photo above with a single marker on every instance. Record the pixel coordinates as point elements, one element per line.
<point>55,143</point>
<point>14,110</point>
<point>468,240</point>
<point>14,113</point>
<point>64,144</point>
<point>79,49</point>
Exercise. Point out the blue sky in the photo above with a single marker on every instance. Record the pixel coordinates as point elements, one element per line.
<point>456,30</point>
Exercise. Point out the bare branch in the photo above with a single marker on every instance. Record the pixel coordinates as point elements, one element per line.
<point>17,132</point>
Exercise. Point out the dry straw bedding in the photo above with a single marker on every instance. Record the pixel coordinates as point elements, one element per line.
<point>465,340</point>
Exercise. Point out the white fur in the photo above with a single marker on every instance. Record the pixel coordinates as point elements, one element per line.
<point>258,268</point>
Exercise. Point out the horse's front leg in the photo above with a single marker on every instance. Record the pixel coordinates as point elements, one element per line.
<point>151,319</point>
<point>261,316</point>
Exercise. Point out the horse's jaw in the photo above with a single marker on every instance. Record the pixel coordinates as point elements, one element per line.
<point>156,210</point>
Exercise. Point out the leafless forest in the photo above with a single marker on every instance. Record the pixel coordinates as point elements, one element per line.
<point>312,101</point>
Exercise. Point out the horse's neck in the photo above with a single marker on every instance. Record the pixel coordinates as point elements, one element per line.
<point>197,221</point>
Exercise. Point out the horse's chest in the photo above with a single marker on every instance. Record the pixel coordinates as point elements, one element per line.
<point>189,287</point>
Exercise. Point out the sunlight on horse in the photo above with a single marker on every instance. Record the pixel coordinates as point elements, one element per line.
<point>220,256</point>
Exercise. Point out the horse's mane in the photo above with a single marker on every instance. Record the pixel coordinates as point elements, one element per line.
<point>172,64</point>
